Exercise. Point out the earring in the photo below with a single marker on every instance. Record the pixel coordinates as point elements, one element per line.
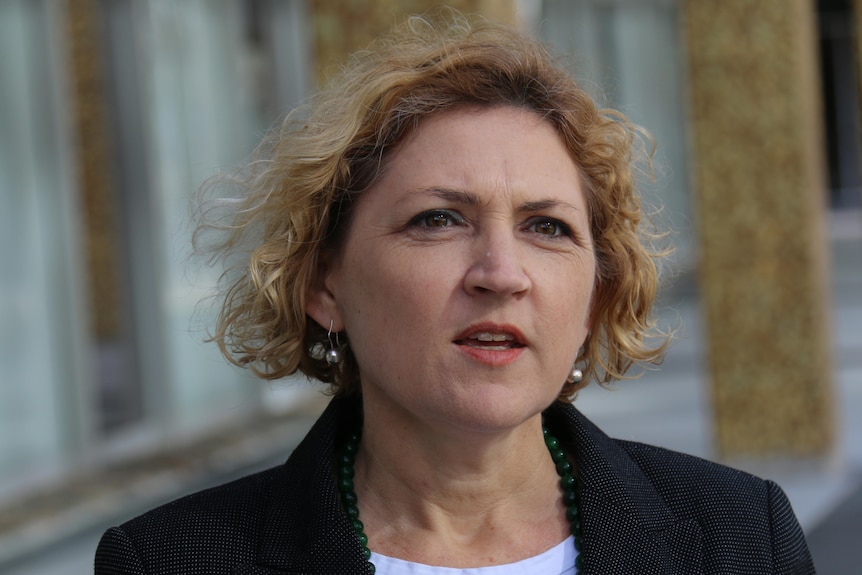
<point>317,350</point>
<point>332,355</point>
<point>576,375</point>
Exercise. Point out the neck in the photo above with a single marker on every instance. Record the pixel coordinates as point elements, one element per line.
<point>456,492</point>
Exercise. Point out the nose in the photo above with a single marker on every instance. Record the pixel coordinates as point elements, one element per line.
<point>497,268</point>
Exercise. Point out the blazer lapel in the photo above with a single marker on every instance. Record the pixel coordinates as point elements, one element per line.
<point>305,530</point>
<point>627,526</point>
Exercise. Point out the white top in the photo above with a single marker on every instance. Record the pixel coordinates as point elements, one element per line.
<point>559,560</point>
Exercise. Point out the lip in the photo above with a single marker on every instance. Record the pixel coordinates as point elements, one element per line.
<point>515,343</point>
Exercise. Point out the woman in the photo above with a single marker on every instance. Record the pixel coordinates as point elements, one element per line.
<point>451,240</point>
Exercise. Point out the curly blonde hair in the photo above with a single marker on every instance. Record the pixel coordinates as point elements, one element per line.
<point>297,195</point>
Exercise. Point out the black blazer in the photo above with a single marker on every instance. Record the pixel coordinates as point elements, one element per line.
<point>645,510</point>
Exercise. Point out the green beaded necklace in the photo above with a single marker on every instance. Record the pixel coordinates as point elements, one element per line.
<point>347,459</point>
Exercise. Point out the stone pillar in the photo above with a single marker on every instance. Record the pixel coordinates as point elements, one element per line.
<point>343,27</point>
<point>95,164</point>
<point>760,194</point>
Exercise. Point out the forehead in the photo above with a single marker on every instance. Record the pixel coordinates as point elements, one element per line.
<point>485,149</point>
<point>471,124</point>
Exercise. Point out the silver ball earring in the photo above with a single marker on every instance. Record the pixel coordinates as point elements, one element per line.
<point>334,354</point>
<point>576,375</point>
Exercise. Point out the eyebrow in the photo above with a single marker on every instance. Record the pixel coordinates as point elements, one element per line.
<point>455,196</point>
<point>471,199</point>
<point>543,205</point>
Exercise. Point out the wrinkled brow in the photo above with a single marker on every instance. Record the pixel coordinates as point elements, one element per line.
<point>543,205</point>
<point>471,199</point>
<point>454,196</point>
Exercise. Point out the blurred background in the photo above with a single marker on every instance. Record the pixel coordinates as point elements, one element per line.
<point>113,112</point>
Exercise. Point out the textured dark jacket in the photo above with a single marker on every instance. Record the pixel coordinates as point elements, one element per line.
<point>645,511</point>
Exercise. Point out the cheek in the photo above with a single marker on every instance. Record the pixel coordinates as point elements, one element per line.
<point>579,274</point>
<point>580,289</point>
<point>387,294</point>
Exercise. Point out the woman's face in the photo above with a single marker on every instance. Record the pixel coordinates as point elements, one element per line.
<point>465,280</point>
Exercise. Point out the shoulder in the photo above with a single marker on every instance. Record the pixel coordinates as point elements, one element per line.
<point>240,500</point>
<point>675,470</point>
<point>214,527</point>
<point>679,478</point>
<point>280,513</point>
<point>724,500</point>
<point>692,485</point>
<point>740,519</point>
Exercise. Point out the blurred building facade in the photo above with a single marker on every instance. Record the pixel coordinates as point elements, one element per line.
<point>113,112</point>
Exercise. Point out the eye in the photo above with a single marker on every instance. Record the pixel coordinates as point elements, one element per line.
<point>437,219</point>
<point>548,227</point>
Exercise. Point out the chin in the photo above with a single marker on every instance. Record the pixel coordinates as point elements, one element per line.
<point>494,412</point>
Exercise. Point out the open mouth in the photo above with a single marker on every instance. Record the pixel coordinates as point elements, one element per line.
<point>491,340</point>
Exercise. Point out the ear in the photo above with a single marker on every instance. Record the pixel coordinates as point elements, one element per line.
<point>321,303</point>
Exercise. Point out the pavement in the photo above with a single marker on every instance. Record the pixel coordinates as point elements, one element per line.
<point>667,407</point>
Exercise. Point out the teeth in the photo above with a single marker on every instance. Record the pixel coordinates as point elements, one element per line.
<point>487,336</point>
